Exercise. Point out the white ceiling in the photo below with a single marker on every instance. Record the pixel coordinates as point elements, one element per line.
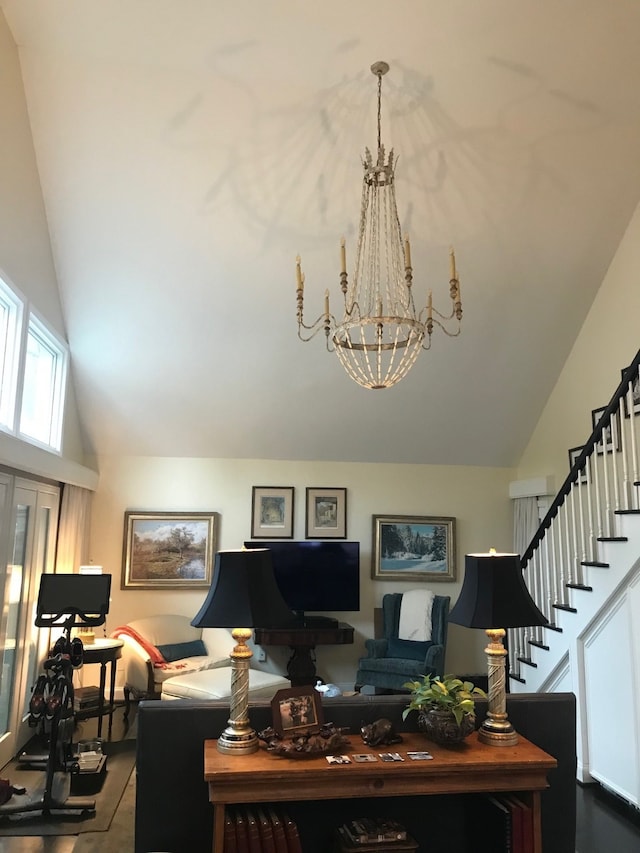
<point>190,149</point>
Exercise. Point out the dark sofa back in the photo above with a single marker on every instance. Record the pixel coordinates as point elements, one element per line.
<point>172,806</point>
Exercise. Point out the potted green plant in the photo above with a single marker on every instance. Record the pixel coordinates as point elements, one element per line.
<point>445,706</point>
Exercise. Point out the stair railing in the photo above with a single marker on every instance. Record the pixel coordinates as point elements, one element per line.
<point>602,482</point>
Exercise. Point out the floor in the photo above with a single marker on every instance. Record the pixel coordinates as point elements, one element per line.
<point>604,823</point>
<point>119,838</point>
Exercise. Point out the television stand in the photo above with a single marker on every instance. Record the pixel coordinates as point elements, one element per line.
<point>301,668</point>
<point>305,621</point>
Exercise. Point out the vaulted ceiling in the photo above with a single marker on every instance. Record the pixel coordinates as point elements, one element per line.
<point>188,150</point>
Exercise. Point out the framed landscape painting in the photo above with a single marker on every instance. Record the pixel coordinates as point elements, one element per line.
<point>168,549</point>
<point>411,547</point>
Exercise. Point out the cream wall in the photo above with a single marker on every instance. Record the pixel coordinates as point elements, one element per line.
<point>25,251</point>
<point>476,497</point>
<point>607,343</point>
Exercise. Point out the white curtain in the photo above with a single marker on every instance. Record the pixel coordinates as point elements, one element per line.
<point>525,522</point>
<point>73,531</point>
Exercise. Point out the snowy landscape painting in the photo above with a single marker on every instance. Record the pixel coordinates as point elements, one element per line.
<point>409,547</point>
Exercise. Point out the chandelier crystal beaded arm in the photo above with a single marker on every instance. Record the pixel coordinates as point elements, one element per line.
<point>381,333</point>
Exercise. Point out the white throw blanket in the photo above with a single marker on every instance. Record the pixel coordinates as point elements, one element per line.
<point>415,615</point>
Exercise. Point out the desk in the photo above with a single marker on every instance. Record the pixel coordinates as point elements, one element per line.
<point>474,767</point>
<point>104,651</point>
<point>301,667</point>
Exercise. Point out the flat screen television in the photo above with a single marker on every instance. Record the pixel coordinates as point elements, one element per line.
<point>316,576</point>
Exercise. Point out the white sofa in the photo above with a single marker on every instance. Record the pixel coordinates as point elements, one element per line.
<point>152,654</point>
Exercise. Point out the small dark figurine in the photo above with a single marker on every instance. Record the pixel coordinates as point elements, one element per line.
<point>380,732</point>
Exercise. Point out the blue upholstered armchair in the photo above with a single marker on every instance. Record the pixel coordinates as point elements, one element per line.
<point>391,662</point>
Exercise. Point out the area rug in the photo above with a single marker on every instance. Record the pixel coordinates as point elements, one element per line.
<point>120,764</point>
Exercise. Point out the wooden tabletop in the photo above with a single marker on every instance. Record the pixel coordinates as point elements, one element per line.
<point>470,767</point>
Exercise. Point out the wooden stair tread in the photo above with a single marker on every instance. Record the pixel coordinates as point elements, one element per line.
<point>566,607</point>
<point>595,563</point>
<point>612,539</point>
<point>581,586</point>
<point>538,645</point>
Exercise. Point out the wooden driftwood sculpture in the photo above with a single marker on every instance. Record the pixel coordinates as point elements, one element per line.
<point>324,741</point>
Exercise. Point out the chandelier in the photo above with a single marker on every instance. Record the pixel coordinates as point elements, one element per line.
<point>380,334</point>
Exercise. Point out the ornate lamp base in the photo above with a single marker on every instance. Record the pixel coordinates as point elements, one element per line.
<point>233,741</point>
<point>239,738</point>
<point>497,733</point>
<point>496,730</point>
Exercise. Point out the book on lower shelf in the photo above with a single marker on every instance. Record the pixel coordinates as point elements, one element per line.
<point>498,824</point>
<point>366,830</point>
<point>344,844</point>
<point>260,829</point>
<point>86,698</point>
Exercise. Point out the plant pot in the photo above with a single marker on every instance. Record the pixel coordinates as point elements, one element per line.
<point>441,726</point>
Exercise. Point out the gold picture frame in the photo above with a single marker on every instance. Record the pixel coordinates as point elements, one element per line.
<point>414,547</point>
<point>164,550</point>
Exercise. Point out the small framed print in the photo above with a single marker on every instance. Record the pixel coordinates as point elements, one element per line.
<point>574,452</point>
<point>635,395</point>
<point>610,434</point>
<point>272,512</point>
<point>296,709</point>
<point>326,514</point>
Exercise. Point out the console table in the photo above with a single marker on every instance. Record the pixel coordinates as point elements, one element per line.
<point>301,667</point>
<point>472,768</point>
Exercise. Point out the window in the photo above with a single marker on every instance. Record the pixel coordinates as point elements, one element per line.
<point>33,373</point>
<point>11,312</point>
<point>45,371</point>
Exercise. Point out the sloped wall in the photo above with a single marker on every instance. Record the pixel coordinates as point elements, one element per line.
<point>26,260</point>
<point>607,343</point>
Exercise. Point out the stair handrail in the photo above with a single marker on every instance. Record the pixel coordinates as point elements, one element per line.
<point>580,462</point>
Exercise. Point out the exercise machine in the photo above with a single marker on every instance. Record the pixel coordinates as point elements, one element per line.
<point>64,601</point>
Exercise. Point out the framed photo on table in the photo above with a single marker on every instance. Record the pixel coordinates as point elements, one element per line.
<point>326,516</point>
<point>168,549</point>
<point>414,547</point>
<point>296,709</point>
<point>272,512</point>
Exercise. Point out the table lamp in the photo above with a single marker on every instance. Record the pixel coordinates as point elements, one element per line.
<point>243,593</point>
<point>494,594</point>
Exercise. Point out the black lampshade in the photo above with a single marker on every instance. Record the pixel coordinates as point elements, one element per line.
<point>494,594</point>
<point>243,593</point>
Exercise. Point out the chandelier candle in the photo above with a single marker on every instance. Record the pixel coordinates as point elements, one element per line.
<point>380,334</point>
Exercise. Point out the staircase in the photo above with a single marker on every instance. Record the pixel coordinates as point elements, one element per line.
<point>582,569</point>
